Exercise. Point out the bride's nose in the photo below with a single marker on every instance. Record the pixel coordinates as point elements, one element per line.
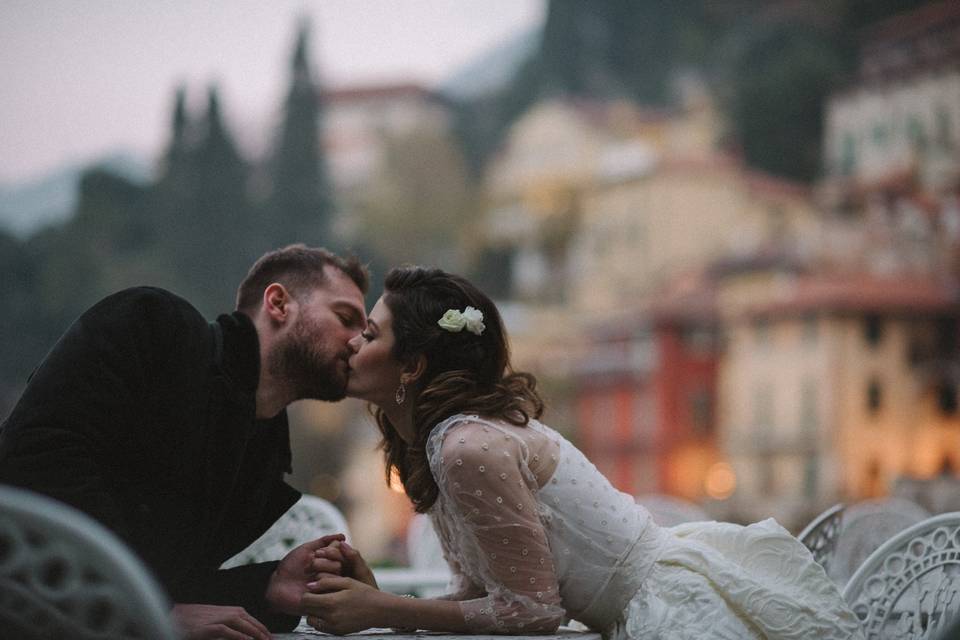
<point>354,342</point>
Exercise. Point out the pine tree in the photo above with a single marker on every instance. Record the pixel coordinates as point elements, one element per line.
<point>300,204</point>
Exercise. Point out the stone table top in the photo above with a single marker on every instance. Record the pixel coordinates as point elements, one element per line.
<point>305,632</point>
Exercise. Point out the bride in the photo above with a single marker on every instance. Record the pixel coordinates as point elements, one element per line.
<point>534,534</point>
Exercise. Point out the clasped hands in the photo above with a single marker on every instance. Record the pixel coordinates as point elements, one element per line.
<point>305,581</point>
<point>346,601</point>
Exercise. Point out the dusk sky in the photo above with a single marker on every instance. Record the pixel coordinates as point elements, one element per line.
<point>84,77</point>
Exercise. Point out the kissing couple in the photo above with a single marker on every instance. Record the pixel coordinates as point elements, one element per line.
<point>172,431</point>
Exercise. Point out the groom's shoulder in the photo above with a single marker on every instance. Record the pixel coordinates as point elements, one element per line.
<point>143,309</point>
<point>144,301</point>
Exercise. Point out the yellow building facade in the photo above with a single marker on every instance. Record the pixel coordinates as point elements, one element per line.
<point>680,215</point>
<point>832,388</point>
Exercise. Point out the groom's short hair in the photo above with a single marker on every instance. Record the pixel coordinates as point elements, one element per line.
<point>298,268</point>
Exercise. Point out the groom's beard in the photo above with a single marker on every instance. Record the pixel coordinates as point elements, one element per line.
<point>312,367</point>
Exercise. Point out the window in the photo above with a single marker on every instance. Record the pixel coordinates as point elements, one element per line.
<point>916,133</point>
<point>699,340</point>
<point>848,155</point>
<point>768,476</point>
<point>762,328</point>
<point>944,128</point>
<point>873,330</point>
<point>947,397</point>
<point>701,411</point>
<point>874,396</point>
<point>809,417</point>
<point>778,221</point>
<point>644,416</point>
<point>881,134</point>
<point>810,329</point>
<point>811,474</point>
<point>946,337</point>
<point>763,415</point>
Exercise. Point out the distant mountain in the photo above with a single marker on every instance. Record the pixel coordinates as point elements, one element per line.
<point>492,69</point>
<point>27,207</point>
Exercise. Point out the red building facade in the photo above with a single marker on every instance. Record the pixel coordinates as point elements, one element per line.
<point>645,397</point>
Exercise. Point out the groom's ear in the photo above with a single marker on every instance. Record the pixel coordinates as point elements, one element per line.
<point>277,302</point>
<point>414,369</point>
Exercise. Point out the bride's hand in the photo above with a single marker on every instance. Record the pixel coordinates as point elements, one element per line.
<point>342,605</point>
<point>352,564</point>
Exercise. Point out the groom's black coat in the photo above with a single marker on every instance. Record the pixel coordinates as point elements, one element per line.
<point>133,418</point>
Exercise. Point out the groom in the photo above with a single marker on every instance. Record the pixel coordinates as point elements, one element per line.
<point>172,431</point>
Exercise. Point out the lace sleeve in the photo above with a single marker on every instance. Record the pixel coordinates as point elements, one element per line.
<point>488,504</point>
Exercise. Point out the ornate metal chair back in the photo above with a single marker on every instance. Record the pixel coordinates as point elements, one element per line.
<point>820,536</point>
<point>308,519</point>
<point>423,546</point>
<point>909,588</point>
<point>867,525</point>
<point>63,575</point>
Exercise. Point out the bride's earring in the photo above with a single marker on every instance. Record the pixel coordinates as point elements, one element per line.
<point>401,393</point>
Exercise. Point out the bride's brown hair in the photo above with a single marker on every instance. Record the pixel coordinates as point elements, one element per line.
<point>465,373</point>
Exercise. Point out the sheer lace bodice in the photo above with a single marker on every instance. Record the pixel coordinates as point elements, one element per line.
<point>535,535</point>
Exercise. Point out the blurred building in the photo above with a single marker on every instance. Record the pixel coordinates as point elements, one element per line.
<point>892,148</point>
<point>832,386</point>
<point>680,213</point>
<point>359,126</point>
<point>358,121</point>
<point>554,155</point>
<point>645,394</point>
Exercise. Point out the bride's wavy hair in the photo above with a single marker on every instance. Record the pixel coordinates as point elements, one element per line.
<point>465,373</point>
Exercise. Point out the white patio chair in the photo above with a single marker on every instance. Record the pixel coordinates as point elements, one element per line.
<point>308,519</point>
<point>63,575</point>
<point>428,574</point>
<point>668,511</point>
<point>867,525</point>
<point>423,546</point>
<point>820,536</point>
<point>909,588</point>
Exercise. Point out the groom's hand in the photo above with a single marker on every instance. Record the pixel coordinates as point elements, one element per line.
<point>302,565</point>
<point>208,622</point>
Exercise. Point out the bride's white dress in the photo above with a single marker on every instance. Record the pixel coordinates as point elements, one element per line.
<point>535,535</point>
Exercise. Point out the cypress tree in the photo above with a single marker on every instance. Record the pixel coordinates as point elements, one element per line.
<point>214,237</point>
<point>300,203</point>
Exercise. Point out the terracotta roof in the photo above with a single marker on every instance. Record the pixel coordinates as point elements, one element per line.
<point>764,260</point>
<point>690,297</point>
<point>757,181</point>
<point>910,24</point>
<point>770,184</point>
<point>712,161</point>
<point>864,294</point>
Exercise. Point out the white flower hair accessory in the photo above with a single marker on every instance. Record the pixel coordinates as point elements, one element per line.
<point>456,321</point>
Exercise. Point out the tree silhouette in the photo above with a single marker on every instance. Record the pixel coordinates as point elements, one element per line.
<point>299,206</point>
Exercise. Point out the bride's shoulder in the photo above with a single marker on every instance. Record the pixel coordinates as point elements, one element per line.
<point>460,426</point>
<point>470,434</point>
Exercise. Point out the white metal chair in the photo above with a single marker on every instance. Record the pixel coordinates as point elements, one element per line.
<point>423,546</point>
<point>308,519</point>
<point>668,511</point>
<point>428,574</point>
<point>867,525</point>
<point>909,588</point>
<point>820,536</point>
<point>63,575</point>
